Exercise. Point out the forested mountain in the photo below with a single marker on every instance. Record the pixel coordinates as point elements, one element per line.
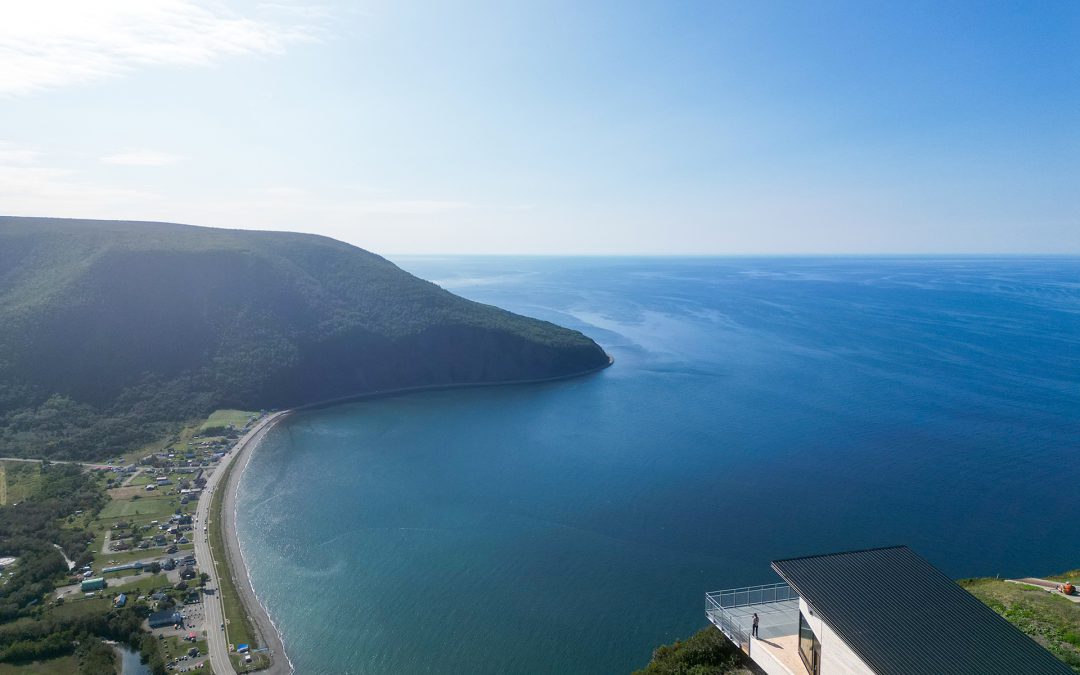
<point>110,330</point>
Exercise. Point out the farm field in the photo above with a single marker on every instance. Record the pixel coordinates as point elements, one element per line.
<point>148,507</point>
<point>222,418</point>
<point>17,481</point>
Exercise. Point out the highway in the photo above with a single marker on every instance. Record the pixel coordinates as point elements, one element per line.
<point>89,465</point>
<point>214,611</point>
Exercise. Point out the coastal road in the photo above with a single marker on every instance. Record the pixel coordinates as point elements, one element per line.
<point>89,465</point>
<point>214,611</point>
<point>1046,585</point>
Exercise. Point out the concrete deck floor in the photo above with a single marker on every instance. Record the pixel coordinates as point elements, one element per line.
<point>775,619</point>
<point>784,649</point>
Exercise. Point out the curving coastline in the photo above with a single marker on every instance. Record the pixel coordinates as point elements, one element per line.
<point>235,562</point>
<point>217,504</point>
<point>387,393</point>
<point>268,634</point>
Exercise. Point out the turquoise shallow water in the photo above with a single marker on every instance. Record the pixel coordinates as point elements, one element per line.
<point>757,409</point>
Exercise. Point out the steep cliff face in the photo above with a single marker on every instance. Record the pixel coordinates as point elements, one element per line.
<point>171,320</point>
<point>454,354</point>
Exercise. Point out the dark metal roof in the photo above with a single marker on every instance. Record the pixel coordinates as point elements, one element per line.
<point>902,616</point>
<point>166,617</point>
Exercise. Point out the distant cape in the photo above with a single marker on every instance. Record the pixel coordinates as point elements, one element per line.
<point>111,329</point>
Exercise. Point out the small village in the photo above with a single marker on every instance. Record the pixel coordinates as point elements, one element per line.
<point>144,543</point>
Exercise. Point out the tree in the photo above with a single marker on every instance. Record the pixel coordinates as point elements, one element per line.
<point>203,578</point>
<point>707,652</point>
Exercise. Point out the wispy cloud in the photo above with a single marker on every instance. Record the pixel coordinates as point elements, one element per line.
<point>47,44</point>
<point>33,187</point>
<point>299,9</point>
<point>14,153</point>
<point>407,207</point>
<point>282,196</point>
<point>43,189</point>
<point>142,158</point>
<point>49,191</point>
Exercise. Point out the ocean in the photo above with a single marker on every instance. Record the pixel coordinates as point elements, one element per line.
<point>757,409</point>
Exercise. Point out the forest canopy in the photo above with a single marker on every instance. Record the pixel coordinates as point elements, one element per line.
<point>112,331</point>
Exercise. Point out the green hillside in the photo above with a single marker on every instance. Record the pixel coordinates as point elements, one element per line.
<point>110,331</point>
<point>1048,618</point>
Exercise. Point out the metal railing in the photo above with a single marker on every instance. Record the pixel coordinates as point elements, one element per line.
<point>728,626</point>
<point>751,595</point>
<point>723,610</point>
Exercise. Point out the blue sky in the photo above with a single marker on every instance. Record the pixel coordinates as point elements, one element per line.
<point>565,128</point>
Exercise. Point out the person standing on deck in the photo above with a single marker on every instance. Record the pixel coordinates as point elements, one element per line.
<point>753,631</point>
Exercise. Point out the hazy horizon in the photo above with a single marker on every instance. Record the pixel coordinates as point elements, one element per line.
<point>555,129</point>
<point>960,255</point>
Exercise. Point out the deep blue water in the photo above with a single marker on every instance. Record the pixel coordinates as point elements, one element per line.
<point>757,409</point>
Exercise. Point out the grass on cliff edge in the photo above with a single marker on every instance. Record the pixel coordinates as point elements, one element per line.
<point>1049,618</point>
<point>707,652</point>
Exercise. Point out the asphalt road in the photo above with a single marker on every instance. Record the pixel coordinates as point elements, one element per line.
<point>92,465</point>
<point>216,638</point>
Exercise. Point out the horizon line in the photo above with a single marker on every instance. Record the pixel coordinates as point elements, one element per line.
<point>549,254</point>
<point>1022,254</point>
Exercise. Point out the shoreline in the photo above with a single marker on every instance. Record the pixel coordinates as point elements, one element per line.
<point>252,606</point>
<point>261,623</point>
<point>420,388</point>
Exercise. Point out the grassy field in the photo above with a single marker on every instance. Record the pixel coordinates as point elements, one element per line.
<point>83,606</point>
<point>178,442</point>
<point>64,665</point>
<point>1050,619</point>
<point>150,507</point>
<point>142,479</point>
<point>223,418</point>
<point>103,560</point>
<point>173,648</point>
<point>174,443</point>
<point>18,480</point>
<point>114,577</point>
<point>145,585</point>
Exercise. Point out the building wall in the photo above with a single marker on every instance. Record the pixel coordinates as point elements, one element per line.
<point>836,657</point>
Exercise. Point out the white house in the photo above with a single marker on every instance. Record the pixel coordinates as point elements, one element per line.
<point>882,611</point>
